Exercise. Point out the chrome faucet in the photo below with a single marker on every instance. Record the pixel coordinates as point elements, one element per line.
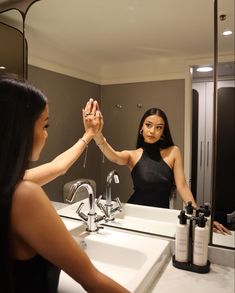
<point>91,219</point>
<point>108,208</point>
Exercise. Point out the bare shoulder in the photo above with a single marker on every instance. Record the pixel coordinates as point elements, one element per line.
<point>171,155</point>
<point>26,189</point>
<point>176,150</point>
<point>135,152</point>
<point>135,155</point>
<point>171,151</point>
<point>28,195</point>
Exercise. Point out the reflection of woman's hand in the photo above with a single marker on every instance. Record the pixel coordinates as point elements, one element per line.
<point>92,117</point>
<point>219,228</point>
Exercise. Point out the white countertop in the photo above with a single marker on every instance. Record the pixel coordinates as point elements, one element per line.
<point>225,240</point>
<point>220,279</point>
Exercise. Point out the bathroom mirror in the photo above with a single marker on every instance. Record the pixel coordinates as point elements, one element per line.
<point>12,55</point>
<point>224,204</point>
<point>99,43</point>
<point>14,50</point>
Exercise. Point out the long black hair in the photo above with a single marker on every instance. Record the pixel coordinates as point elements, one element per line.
<point>166,140</point>
<point>20,106</point>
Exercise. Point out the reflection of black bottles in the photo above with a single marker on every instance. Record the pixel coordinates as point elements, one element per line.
<point>182,238</point>
<point>200,246</point>
<point>189,208</point>
<point>206,211</point>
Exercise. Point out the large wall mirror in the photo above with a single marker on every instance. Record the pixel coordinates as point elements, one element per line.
<point>13,51</point>
<point>130,55</point>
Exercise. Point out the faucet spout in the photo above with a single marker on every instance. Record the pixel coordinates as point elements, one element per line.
<point>112,175</point>
<point>108,207</point>
<point>91,219</point>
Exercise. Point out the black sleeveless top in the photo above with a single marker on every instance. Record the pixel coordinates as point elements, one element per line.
<point>152,178</point>
<point>35,275</point>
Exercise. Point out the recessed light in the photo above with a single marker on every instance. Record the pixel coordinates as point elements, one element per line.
<point>204,69</point>
<point>2,67</point>
<point>227,33</point>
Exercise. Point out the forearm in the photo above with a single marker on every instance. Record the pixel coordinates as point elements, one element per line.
<point>60,165</point>
<point>119,158</point>
<point>186,195</point>
<point>102,283</point>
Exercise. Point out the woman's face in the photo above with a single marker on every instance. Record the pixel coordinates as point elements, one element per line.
<point>40,134</point>
<point>153,128</point>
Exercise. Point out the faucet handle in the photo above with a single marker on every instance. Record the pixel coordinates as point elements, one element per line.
<point>99,198</point>
<point>100,206</point>
<point>119,208</point>
<point>80,213</point>
<point>99,218</point>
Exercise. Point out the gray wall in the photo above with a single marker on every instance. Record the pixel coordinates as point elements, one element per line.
<point>68,95</point>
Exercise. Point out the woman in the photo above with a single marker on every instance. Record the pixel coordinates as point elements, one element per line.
<point>156,164</point>
<point>32,236</point>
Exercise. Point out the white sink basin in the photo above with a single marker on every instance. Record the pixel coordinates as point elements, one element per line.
<point>149,219</point>
<point>132,260</point>
<point>135,217</point>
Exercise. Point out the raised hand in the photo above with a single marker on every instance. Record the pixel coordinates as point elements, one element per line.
<point>92,117</point>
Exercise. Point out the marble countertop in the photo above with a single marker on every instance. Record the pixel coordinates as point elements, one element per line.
<point>219,279</point>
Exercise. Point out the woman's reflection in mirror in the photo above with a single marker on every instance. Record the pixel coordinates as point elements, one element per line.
<point>156,164</point>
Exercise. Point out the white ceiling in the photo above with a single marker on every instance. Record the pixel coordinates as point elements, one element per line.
<point>98,39</point>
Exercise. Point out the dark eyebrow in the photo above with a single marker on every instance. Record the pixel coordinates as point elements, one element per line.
<point>158,124</point>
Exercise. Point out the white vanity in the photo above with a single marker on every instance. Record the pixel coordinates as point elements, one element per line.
<point>134,217</point>
<point>142,261</point>
<point>132,260</point>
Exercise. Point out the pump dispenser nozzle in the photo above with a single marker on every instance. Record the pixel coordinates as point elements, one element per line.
<point>201,221</point>
<point>189,208</point>
<point>182,217</point>
<point>205,209</point>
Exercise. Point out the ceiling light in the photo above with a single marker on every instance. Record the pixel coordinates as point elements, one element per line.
<point>227,33</point>
<point>2,67</point>
<point>204,69</point>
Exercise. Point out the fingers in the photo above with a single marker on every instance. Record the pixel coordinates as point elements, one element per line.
<point>92,117</point>
<point>88,108</point>
<point>91,108</point>
<point>219,228</point>
<point>225,230</point>
<point>94,107</point>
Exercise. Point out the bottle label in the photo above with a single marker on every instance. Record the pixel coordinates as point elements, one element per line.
<point>181,248</point>
<point>200,248</point>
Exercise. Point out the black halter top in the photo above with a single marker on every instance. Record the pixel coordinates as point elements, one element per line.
<point>152,178</point>
<point>35,275</point>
